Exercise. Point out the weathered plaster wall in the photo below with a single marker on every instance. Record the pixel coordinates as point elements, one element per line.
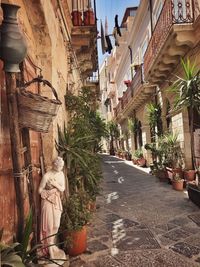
<point>47,49</point>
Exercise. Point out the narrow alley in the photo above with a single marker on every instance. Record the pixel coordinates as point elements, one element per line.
<point>140,222</point>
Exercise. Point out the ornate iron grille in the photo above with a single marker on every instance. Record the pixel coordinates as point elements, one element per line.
<point>182,11</point>
<point>173,12</point>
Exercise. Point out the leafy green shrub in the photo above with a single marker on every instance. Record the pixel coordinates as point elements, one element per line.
<point>75,212</point>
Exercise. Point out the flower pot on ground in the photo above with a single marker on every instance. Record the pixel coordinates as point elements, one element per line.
<point>188,97</point>
<point>119,153</point>
<point>142,162</point>
<point>128,155</point>
<point>177,182</point>
<point>194,193</point>
<point>77,240</point>
<point>189,175</point>
<point>123,155</point>
<point>74,218</point>
<point>135,161</point>
<point>138,156</point>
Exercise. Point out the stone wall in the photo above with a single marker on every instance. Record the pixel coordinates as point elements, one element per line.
<point>49,49</point>
<point>48,42</point>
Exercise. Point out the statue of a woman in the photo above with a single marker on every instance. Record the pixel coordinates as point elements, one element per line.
<point>51,186</point>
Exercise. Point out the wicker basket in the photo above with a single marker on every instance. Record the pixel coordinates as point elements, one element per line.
<point>36,112</point>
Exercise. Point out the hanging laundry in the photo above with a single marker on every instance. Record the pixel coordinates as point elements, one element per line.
<point>108,41</point>
<point>115,36</point>
<point>103,40</point>
<point>117,25</point>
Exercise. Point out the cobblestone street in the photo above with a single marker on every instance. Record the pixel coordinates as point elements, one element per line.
<point>140,222</point>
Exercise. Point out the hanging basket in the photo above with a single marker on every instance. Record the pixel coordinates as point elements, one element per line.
<point>36,112</point>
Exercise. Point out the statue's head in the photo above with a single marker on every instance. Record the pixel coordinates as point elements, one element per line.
<point>58,164</point>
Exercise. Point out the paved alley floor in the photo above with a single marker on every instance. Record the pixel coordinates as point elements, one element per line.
<point>140,222</point>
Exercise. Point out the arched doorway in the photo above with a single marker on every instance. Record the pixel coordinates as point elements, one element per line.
<point>140,141</point>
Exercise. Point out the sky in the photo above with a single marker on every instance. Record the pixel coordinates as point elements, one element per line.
<point>110,8</point>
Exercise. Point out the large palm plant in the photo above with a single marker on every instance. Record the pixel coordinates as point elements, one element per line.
<point>187,89</point>
<point>74,150</point>
<point>154,118</point>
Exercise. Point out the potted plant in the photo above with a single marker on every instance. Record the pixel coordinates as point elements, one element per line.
<point>119,153</point>
<point>158,150</point>
<point>128,155</point>
<point>74,218</point>
<point>189,175</point>
<point>134,159</point>
<point>173,155</point>
<point>89,17</point>
<point>188,96</point>
<point>177,182</point>
<point>141,161</point>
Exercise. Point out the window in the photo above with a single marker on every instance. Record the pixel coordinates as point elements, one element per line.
<point>156,12</point>
<point>144,48</point>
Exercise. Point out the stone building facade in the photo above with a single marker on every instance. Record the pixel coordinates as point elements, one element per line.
<point>65,53</point>
<point>154,40</point>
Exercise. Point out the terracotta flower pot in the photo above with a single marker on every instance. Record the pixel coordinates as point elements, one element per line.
<point>189,175</point>
<point>178,185</point>
<point>76,18</point>
<point>134,161</point>
<point>142,162</point>
<point>89,18</point>
<point>78,241</point>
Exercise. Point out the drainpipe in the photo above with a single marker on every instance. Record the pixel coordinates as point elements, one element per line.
<point>131,57</point>
<point>151,15</point>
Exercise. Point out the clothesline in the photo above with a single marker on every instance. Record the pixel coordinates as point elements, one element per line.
<point>106,43</point>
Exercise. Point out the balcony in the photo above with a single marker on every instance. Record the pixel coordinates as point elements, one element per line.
<point>134,96</point>
<point>92,82</point>
<point>84,35</point>
<point>174,35</point>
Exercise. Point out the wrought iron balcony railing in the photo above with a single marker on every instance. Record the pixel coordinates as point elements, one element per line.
<point>131,90</point>
<point>173,12</point>
<point>137,79</point>
<point>83,12</point>
<point>94,78</point>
